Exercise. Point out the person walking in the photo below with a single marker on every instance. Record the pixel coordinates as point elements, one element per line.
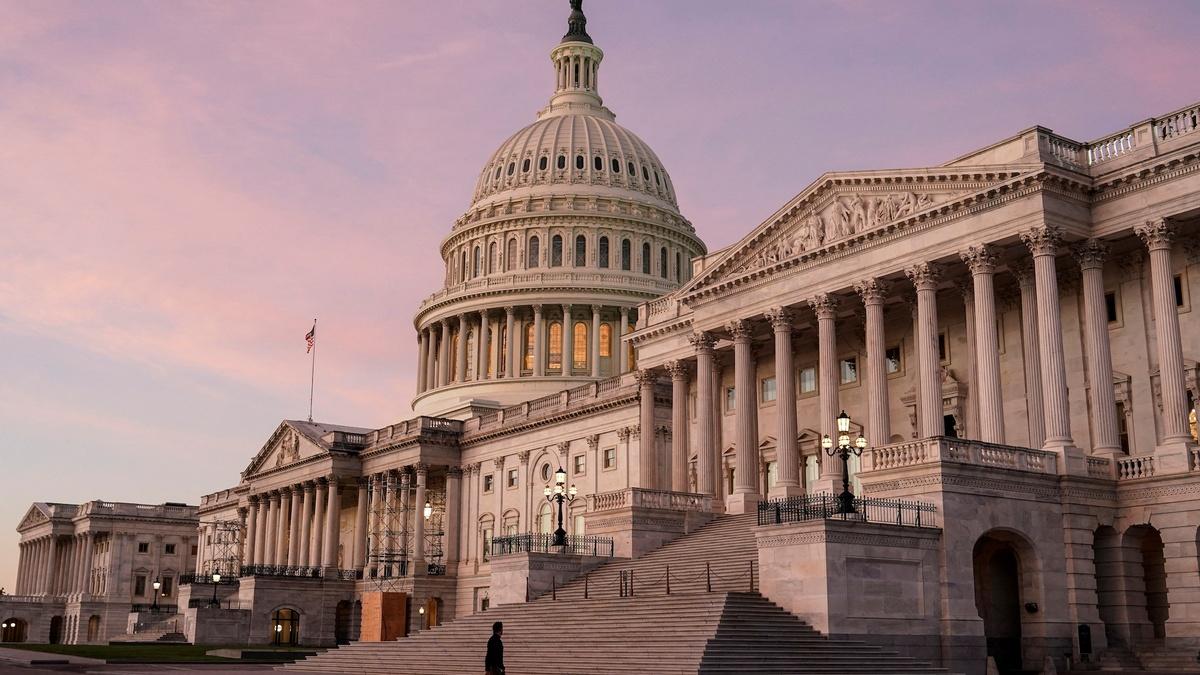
<point>493,663</point>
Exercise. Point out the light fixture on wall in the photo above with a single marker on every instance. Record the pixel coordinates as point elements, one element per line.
<point>428,511</point>
<point>844,449</point>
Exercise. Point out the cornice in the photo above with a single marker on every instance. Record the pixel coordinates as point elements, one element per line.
<point>1168,168</point>
<point>661,330</point>
<point>602,295</point>
<point>627,399</point>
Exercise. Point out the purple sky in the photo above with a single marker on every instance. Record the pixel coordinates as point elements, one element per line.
<point>183,186</point>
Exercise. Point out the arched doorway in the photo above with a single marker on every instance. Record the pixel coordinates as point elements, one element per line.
<point>1106,553</point>
<point>342,622</point>
<point>285,623</point>
<point>1146,582</point>
<point>56,630</point>
<point>1001,561</point>
<point>13,630</point>
<point>93,628</point>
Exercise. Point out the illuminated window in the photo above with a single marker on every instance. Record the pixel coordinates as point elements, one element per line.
<point>580,348</point>
<point>730,399</point>
<point>545,520</point>
<point>580,251</point>
<point>626,255</point>
<point>556,345</point>
<point>767,389</point>
<point>893,360</point>
<point>529,340</point>
<point>605,340</point>
<point>534,252</point>
<point>808,380</point>
<point>602,250</point>
<point>848,367</point>
<point>556,251</point>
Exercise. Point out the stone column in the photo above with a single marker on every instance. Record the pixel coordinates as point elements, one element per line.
<point>460,350</point>
<point>281,526</point>
<point>360,528</point>
<point>539,343</point>
<point>971,410</point>
<point>51,573</point>
<point>19,588</point>
<point>1106,440</point>
<point>825,307</point>
<point>294,531</point>
<point>1022,269</point>
<point>431,364</point>
<point>418,563</point>
<point>443,363</point>
<point>85,575</point>
<point>260,542</point>
<point>705,441</point>
<point>568,342</point>
<point>745,495</point>
<point>1044,243</point>
<point>304,556</point>
<point>622,352</point>
<point>422,359</point>
<point>925,277</point>
<point>511,369</point>
<point>270,529</point>
<point>787,456</point>
<point>1158,235</point>
<point>647,452</point>
<point>374,526</point>
<point>595,340</point>
<point>453,505</point>
<point>485,355</point>
<point>332,516</point>
<point>679,425</point>
<point>981,260</point>
<point>316,548</point>
<point>879,426</point>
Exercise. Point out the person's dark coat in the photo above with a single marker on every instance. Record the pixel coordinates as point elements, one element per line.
<point>494,662</point>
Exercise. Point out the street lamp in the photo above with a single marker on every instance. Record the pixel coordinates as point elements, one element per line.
<point>157,585</point>
<point>844,448</point>
<point>216,579</point>
<point>560,494</point>
<point>428,510</point>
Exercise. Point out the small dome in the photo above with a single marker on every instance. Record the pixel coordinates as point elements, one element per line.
<point>575,149</point>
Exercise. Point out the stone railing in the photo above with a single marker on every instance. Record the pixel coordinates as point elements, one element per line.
<point>621,280</point>
<point>1099,467</point>
<point>650,499</point>
<point>413,427</point>
<point>551,404</point>
<point>1141,139</point>
<point>1110,148</point>
<point>99,508</point>
<point>960,451</point>
<point>1178,123</point>
<point>1129,468</point>
<point>31,599</point>
<point>215,498</point>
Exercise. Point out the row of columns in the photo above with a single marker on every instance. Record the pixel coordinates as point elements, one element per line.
<point>434,340</point>
<point>295,526</point>
<point>55,565</point>
<point>1046,382</point>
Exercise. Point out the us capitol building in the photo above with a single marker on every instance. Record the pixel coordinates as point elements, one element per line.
<point>1011,332</point>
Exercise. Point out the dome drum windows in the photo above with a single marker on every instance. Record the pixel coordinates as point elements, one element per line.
<point>646,258</point>
<point>562,162</point>
<point>579,163</point>
<point>556,251</point>
<point>535,253</point>
<point>598,163</point>
<point>525,166</point>
<point>543,162</point>
<point>602,253</point>
<point>580,251</point>
<point>626,255</point>
<point>662,262</point>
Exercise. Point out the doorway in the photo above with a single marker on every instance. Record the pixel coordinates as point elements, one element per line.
<point>13,630</point>
<point>285,623</point>
<point>999,598</point>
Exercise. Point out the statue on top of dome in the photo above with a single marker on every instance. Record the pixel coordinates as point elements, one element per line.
<point>577,24</point>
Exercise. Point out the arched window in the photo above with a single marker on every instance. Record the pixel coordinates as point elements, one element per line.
<point>525,166</point>
<point>462,268</point>
<point>534,252</point>
<point>626,255</point>
<point>556,251</point>
<point>477,265</point>
<point>662,262</point>
<point>530,338</point>
<point>678,266</point>
<point>580,250</point>
<point>645,174</point>
<point>511,167</point>
<point>542,163</point>
<point>452,362</point>
<point>286,626</point>
<point>598,163</point>
<point>605,340</point>
<point>510,256</point>
<point>632,170</point>
<point>493,258</point>
<point>498,170</point>
<point>616,165</point>
<point>579,162</point>
<point>545,519</point>
<point>645,258</point>
<point>580,348</point>
<point>562,162</point>
<point>602,251</point>
<point>556,345</point>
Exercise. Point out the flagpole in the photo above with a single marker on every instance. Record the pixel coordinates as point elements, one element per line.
<point>312,377</point>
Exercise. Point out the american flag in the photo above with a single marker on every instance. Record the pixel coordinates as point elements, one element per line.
<point>311,339</point>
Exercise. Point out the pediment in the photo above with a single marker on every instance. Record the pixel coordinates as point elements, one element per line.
<point>36,515</point>
<point>840,209</point>
<point>287,445</point>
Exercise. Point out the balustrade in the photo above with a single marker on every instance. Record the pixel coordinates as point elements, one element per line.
<point>650,499</point>
<point>1129,468</point>
<point>961,451</point>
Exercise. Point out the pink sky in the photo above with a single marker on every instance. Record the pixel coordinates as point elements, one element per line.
<point>184,186</point>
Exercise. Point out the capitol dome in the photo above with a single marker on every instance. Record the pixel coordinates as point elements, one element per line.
<point>573,223</point>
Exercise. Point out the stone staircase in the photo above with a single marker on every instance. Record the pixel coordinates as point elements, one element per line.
<point>1153,655</point>
<point>629,624</point>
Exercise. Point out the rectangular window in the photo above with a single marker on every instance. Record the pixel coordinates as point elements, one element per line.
<point>848,367</point>
<point>139,585</point>
<point>143,547</point>
<point>1110,306</point>
<point>512,478</point>
<point>808,380</point>
<point>488,483</point>
<point>1177,285</point>
<point>767,389</point>
<point>169,549</point>
<point>580,464</point>
<point>610,458</point>
<point>193,550</point>
<point>487,543</point>
<point>892,360</point>
<point>168,584</point>
<point>1122,428</point>
<point>730,399</point>
<point>943,348</point>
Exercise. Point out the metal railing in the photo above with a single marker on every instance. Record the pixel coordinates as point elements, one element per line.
<point>226,579</point>
<point>157,609</point>
<point>298,572</point>
<point>227,603</point>
<point>686,578</point>
<point>544,543</point>
<point>824,506</point>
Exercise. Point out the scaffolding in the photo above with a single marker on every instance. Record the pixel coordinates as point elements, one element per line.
<point>224,548</point>
<point>388,551</point>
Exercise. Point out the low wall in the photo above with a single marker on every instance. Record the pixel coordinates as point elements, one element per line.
<point>216,626</point>
<point>520,577</point>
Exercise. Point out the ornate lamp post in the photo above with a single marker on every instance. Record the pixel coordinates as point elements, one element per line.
<point>216,579</point>
<point>154,602</point>
<point>844,449</point>
<point>560,494</point>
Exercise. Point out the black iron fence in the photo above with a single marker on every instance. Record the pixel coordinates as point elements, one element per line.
<point>226,603</point>
<point>544,543</point>
<point>866,509</point>
<point>296,572</point>
<point>226,580</point>
<point>158,609</point>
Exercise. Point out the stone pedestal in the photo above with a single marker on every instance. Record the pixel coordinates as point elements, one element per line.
<point>640,521</point>
<point>523,577</point>
<point>384,616</point>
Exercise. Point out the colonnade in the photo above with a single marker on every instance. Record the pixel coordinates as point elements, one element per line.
<point>56,565</point>
<point>1047,385</point>
<point>500,348</point>
<point>295,526</point>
